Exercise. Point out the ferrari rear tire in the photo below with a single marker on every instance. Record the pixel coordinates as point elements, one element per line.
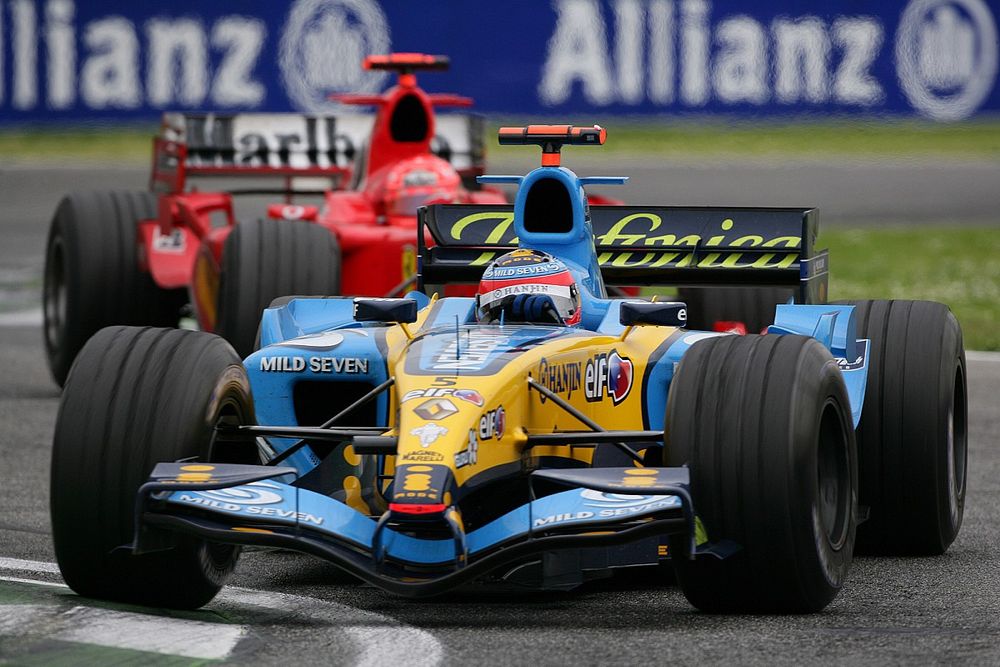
<point>92,277</point>
<point>764,425</point>
<point>137,397</point>
<point>754,306</point>
<point>266,259</point>
<point>912,438</point>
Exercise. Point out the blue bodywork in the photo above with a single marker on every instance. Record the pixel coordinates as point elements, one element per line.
<point>322,514</point>
<point>320,338</point>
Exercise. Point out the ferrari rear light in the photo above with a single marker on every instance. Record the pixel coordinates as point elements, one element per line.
<point>406,62</point>
<point>292,212</point>
<point>732,327</point>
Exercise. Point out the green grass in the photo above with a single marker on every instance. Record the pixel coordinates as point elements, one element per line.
<point>712,138</point>
<point>979,139</point>
<point>958,266</point>
<point>967,139</point>
<point>100,144</point>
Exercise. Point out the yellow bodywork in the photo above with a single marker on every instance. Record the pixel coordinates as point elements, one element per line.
<point>436,428</point>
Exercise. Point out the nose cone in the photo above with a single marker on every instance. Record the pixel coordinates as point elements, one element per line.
<point>437,436</point>
<point>421,489</point>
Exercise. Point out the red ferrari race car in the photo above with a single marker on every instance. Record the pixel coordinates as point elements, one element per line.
<point>139,257</point>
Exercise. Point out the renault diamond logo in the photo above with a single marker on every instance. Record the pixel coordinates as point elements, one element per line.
<point>435,408</point>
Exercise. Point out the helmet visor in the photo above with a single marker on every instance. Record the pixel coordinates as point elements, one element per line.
<point>529,302</point>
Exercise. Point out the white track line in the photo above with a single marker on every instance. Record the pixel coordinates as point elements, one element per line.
<point>119,629</point>
<point>21,318</point>
<point>21,618</point>
<point>979,357</point>
<point>35,582</point>
<point>28,565</point>
<point>379,640</point>
<point>142,632</point>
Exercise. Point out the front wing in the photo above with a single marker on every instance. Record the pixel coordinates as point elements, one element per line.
<point>259,505</point>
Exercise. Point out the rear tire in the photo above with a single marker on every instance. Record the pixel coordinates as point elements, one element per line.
<point>754,306</point>
<point>92,276</point>
<point>763,423</point>
<point>912,438</point>
<point>137,397</point>
<point>266,259</point>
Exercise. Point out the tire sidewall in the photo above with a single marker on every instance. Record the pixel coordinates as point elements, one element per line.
<point>74,330</point>
<point>55,348</point>
<point>952,374</point>
<point>833,560</point>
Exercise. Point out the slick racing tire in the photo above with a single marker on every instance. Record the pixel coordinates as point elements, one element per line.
<point>754,306</point>
<point>764,425</point>
<point>137,397</point>
<point>912,438</point>
<point>265,259</point>
<point>92,276</point>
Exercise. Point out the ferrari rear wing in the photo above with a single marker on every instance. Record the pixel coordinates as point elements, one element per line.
<point>290,145</point>
<point>649,245</point>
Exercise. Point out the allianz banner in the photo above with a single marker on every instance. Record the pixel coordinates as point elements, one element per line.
<point>110,59</point>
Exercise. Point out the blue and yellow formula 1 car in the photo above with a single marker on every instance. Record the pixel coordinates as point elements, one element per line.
<point>539,434</point>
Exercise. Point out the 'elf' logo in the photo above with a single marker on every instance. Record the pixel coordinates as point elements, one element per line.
<point>608,374</point>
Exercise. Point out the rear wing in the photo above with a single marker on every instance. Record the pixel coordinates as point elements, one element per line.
<point>289,144</point>
<point>651,245</point>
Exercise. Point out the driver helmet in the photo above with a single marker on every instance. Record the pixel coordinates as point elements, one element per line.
<point>528,286</point>
<point>420,181</point>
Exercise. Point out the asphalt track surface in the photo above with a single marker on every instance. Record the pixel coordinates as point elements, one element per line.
<point>283,607</point>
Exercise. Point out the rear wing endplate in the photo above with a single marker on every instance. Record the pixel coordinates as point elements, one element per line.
<point>290,144</point>
<point>654,245</point>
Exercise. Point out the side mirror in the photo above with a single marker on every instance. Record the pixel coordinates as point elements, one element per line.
<point>662,314</point>
<point>385,310</point>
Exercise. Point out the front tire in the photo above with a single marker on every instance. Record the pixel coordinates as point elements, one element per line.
<point>92,276</point>
<point>137,397</point>
<point>763,424</point>
<point>912,438</point>
<point>266,259</point>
